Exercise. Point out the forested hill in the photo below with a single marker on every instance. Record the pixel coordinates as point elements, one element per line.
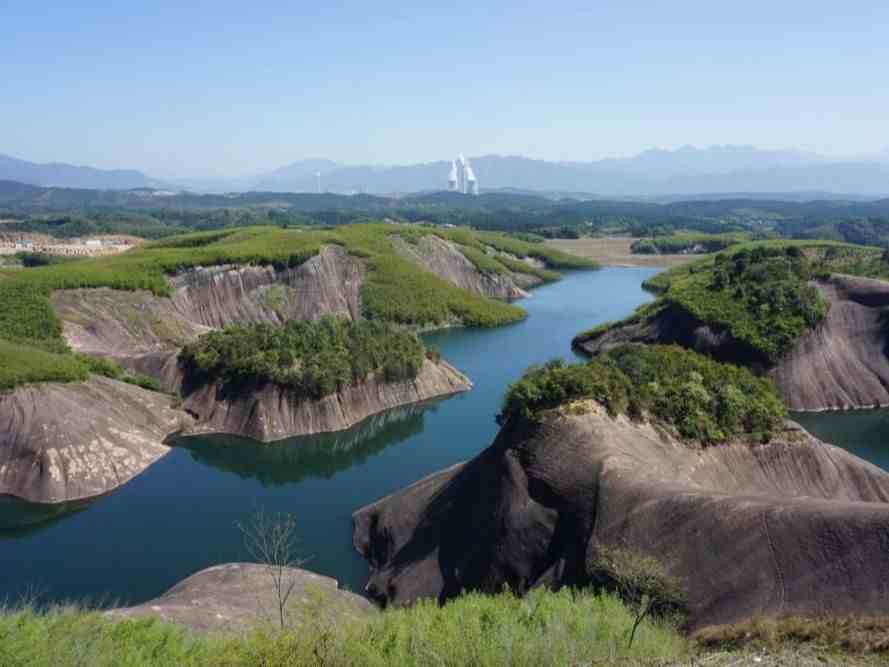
<point>153,214</point>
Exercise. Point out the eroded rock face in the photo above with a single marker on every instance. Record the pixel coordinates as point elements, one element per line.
<point>236,596</point>
<point>125,324</point>
<point>327,284</point>
<point>271,412</point>
<point>445,260</point>
<point>64,442</point>
<point>841,364</point>
<point>794,526</point>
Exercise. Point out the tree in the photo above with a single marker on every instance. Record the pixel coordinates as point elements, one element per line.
<point>271,541</point>
<point>641,581</point>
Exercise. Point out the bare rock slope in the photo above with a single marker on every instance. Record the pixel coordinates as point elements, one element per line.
<point>794,526</point>
<point>132,324</point>
<point>271,412</point>
<point>841,364</point>
<point>63,442</point>
<point>236,596</point>
<point>444,259</point>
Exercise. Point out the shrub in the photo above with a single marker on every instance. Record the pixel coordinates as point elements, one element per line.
<point>702,399</point>
<point>313,358</point>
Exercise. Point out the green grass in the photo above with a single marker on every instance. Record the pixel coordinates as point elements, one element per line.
<point>542,629</point>
<point>701,399</point>
<point>396,290</point>
<point>20,364</point>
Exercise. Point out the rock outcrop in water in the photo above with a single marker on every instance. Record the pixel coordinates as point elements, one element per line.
<point>793,526</point>
<point>271,412</point>
<point>237,596</point>
<point>841,364</point>
<point>63,442</point>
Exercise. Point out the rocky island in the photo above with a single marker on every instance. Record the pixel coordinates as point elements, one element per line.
<point>809,314</point>
<point>76,339</point>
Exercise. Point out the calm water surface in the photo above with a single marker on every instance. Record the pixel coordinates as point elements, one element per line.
<point>181,514</point>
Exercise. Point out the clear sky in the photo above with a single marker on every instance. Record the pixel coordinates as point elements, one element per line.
<point>230,88</point>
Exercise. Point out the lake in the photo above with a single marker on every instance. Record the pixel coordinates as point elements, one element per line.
<point>182,514</point>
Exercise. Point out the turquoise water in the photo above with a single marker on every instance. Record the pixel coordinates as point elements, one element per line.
<point>181,514</point>
<point>865,433</point>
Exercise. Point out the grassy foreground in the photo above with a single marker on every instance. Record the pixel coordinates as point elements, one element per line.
<point>544,628</point>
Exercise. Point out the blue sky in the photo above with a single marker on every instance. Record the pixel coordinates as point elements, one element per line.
<point>231,88</point>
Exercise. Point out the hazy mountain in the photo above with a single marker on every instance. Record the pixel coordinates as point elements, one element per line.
<point>71,176</point>
<point>687,170</point>
<point>653,173</point>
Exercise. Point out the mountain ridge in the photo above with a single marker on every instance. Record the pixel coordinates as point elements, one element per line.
<point>655,172</point>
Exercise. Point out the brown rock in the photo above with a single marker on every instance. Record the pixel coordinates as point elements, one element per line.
<point>271,412</point>
<point>236,596</point>
<point>444,259</point>
<point>794,526</point>
<point>63,442</point>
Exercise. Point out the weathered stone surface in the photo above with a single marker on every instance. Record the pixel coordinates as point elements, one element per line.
<point>129,324</point>
<point>63,442</point>
<point>236,596</point>
<point>118,323</point>
<point>841,364</point>
<point>271,412</point>
<point>445,260</point>
<point>794,526</point>
<point>327,284</point>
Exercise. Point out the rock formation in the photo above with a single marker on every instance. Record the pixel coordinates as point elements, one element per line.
<point>793,526</point>
<point>841,364</point>
<point>236,596</point>
<point>444,259</point>
<point>271,412</point>
<point>63,442</point>
<point>126,324</point>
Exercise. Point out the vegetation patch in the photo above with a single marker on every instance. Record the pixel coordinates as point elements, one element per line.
<point>313,358</point>
<point>542,629</point>
<point>760,293</point>
<point>686,243</point>
<point>701,399</point>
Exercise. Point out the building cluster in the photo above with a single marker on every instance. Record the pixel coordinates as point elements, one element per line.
<point>462,178</point>
<point>10,245</point>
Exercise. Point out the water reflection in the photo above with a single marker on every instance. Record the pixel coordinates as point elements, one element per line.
<point>19,518</point>
<point>317,456</point>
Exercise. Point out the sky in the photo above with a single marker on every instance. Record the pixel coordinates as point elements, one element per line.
<point>227,89</point>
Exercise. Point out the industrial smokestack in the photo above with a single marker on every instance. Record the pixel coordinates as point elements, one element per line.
<point>470,183</point>
<point>452,179</point>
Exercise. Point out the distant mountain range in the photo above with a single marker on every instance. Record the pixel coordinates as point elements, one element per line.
<point>685,171</point>
<point>62,175</point>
